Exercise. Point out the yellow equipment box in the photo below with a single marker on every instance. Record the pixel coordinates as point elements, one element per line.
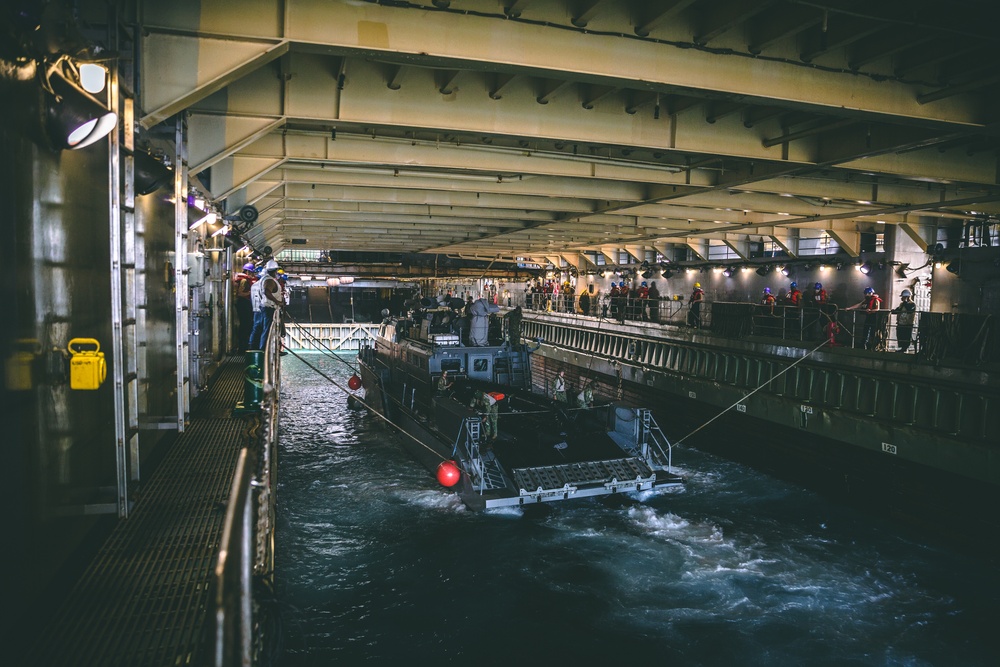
<point>87,368</point>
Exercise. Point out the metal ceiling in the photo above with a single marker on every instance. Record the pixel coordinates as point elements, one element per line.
<point>550,128</point>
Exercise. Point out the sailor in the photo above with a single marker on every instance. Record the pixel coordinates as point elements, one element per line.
<point>585,399</point>
<point>559,390</point>
<point>694,306</point>
<point>514,318</point>
<point>243,281</point>
<point>767,299</point>
<point>653,301</point>
<point>819,297</point>
<point>794,296</point>
<point>613,300</point>
<point>444,384</point>
<point>486,406</point>
<point>872,303</point>
<point>268,298</point>
<point>905,313</point>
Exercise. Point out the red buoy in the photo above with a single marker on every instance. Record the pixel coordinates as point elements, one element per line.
<point>448,473</point>
<point>354,383</point>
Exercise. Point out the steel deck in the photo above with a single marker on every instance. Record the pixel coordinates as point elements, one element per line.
<point>144,599</point>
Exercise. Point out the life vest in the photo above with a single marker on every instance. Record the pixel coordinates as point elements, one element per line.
<point>874,302</point>
<point>496,396</point>
<point>793,297</point>
<point>768,300</point>
<point>820,296</point>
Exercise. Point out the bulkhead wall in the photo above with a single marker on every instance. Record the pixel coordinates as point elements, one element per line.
<point>60,444</point>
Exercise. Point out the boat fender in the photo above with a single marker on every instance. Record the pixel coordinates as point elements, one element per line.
<point>448,473</point>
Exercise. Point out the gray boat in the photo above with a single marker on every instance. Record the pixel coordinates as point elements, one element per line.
<point>544,451</point>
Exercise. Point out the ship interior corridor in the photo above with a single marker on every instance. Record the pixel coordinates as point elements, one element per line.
<point>144,596</point>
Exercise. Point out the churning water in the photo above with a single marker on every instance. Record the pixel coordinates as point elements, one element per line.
<point>377,563</point>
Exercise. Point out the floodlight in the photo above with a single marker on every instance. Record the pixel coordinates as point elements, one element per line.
<point>72,118</point>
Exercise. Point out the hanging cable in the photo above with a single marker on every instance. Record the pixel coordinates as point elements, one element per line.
<point>362,402</point>
<point>320,342</point>
<point>790,367</point>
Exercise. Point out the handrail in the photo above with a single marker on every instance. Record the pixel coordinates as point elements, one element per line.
<point>247,545</point>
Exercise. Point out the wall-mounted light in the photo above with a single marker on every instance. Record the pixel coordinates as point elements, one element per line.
<point>764,270</point>
<point>150,173</point>
<point>784,270</point>
<point>728,271</point>
<point>865,268</point>
<point>72,118</point>
<point>954,267</point>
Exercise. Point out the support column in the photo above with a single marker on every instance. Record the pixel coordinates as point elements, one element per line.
<point>181,301</point>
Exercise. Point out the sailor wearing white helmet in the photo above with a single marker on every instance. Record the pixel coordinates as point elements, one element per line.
<point>905,315</point>
<point>266,298</point>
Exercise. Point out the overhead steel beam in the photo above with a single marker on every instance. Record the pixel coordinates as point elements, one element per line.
<point>180,70</point>
<point>519,47</point>
<point>664,11</point>
<point>849,242</point>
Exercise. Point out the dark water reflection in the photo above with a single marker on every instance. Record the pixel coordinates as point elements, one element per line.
<point>379,564</point>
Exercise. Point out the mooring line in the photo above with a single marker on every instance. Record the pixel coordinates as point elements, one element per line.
<point>790,367</point>
<point>332,352</point>
<point>370,408</point>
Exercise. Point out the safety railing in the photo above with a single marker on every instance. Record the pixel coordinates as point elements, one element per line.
<point>882,331</point>
<point>246,552</point>
<point>328,337</point>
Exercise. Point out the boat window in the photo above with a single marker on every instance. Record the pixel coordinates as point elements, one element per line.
<point>481,365</point>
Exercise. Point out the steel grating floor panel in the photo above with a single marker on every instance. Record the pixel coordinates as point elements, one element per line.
<point>144,599</point>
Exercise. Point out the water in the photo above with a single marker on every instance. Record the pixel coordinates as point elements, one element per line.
<point>377,563</point>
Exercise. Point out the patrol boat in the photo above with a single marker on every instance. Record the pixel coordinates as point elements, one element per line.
<point>544,451</point>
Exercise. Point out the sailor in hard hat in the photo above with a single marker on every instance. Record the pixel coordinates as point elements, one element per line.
<point>242,283</point>
<point>872,303</point>
<point>266,297</point>
<point>694,306</point>
<point>905,313</point>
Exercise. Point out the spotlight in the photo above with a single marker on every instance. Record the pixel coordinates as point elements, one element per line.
<point>865,268</point>
<point>729,271</point>
<point>668,274</point>
<point>73,119</point>
<point>764,270</point>
<point>150,173</point>
<point>784,270</point>
<point>954,267</point>
<point>647,274</point>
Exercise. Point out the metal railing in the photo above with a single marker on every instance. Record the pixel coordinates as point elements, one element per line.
<point>329,337</point>
<point>247,548</point>
<point>854,329</point>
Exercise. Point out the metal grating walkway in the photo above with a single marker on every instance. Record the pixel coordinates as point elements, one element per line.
<point>144,600</point>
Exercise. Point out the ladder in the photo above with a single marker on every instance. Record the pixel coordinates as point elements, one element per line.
<point>484,470</point>
<point>655,445</point>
